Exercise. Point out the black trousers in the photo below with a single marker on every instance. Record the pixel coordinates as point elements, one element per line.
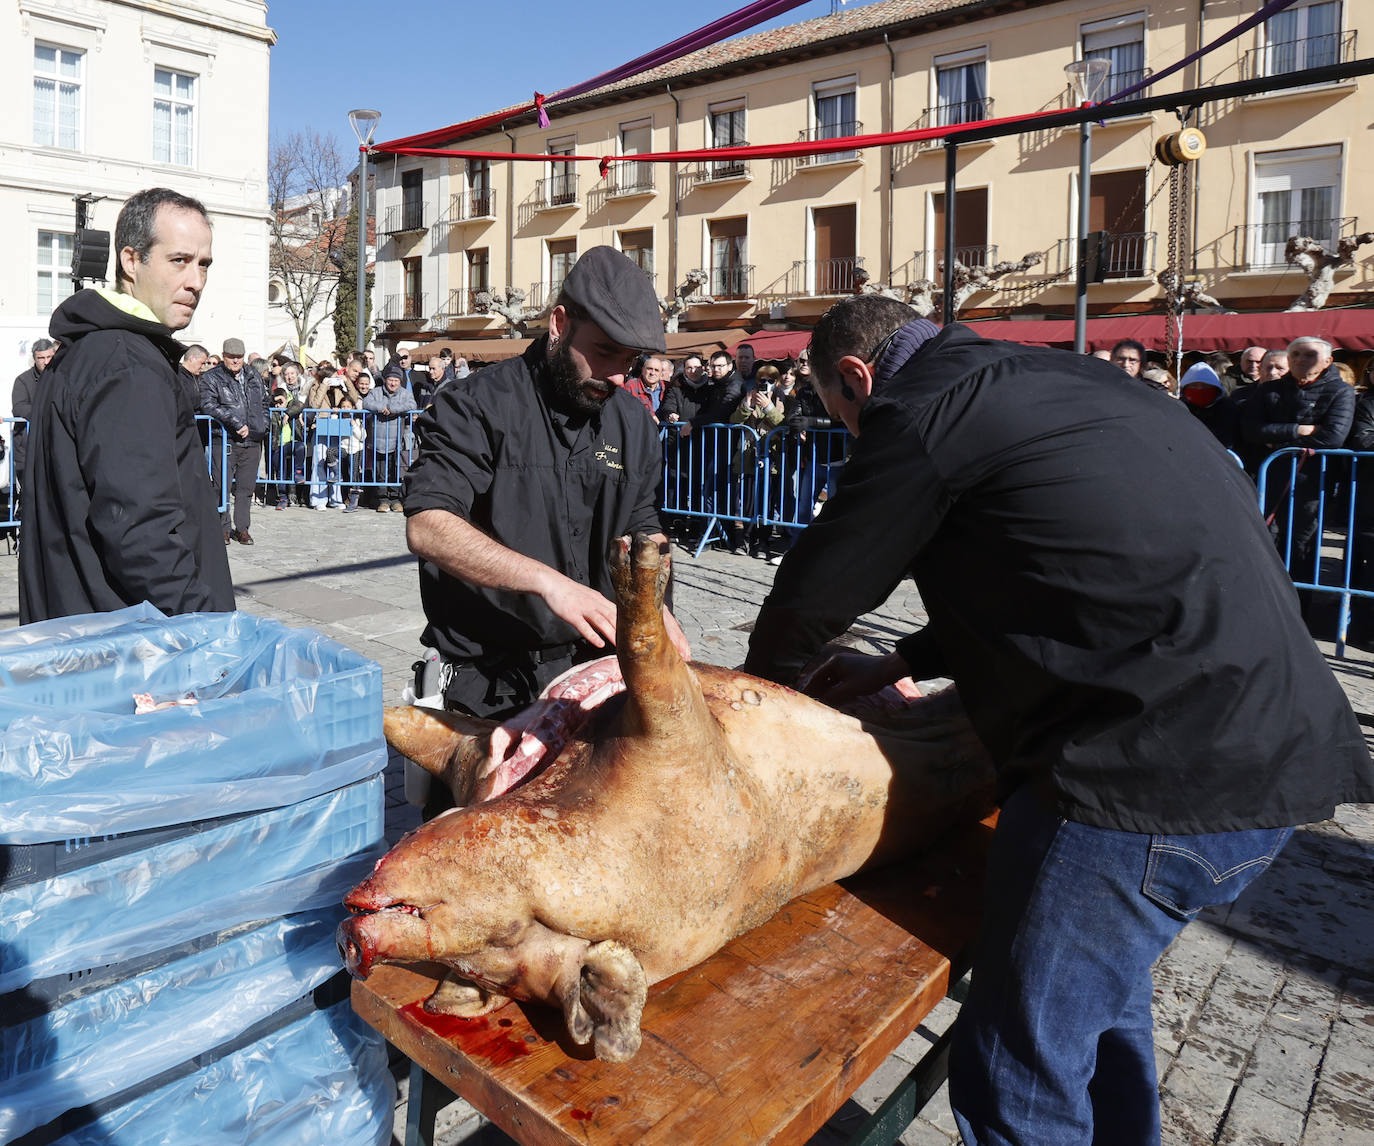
<point>242,476</point>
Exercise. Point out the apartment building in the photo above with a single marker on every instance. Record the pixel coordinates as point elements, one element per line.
<point>768,242</point>
<point>109,97</point>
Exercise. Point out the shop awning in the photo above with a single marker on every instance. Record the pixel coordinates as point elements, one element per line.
<point>1344,329</point>
<point>778,344</point>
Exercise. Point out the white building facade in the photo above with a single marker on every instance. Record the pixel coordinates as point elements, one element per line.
<point>108,97</point>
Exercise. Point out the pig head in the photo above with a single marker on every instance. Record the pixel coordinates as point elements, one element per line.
<point>681,815</point>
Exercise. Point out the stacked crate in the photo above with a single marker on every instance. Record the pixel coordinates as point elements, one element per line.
<point>170,883</point>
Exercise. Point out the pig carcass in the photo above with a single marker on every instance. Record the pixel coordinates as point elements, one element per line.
<point>685,811</point>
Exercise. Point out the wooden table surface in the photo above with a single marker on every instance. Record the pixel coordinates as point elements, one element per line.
<point>761,1043</point>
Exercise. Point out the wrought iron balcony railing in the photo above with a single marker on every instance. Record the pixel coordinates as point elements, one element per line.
<point>556,191</point>
<point>731,281</point>
<point>931,264</point>
<point>823,132</point>
<point>462,302</point>
<point>1261,246</point>
<point>722,170</point>
<point>964,111</point>
<point>630,178</point>
<point>468,206</point>
<point>404,307</point>
<point>402,218</point>
<point>1284,57</point>
<point>1129,255</point>
<point>1120,81</point>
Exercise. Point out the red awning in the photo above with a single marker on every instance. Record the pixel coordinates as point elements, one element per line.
<point>1344,329</point>
<point>777,344</point>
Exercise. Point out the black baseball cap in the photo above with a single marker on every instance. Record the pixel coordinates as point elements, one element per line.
<point>618,297</point>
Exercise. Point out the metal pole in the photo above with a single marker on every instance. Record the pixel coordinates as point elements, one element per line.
<point>947,293</point>
<point>361,301</point>
<point>1080,302</point>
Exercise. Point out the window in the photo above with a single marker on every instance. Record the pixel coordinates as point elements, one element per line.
<point>834,105</point>
<point>725,128</point>
<point>1304,36</point>
<point>729,250</point>
<point>479,272</point>
<point>638,247</point>
<point>562,255</point>
<point>479,189</point>
<point>413,200</point>
<point>174,111</point>
<point>54,269</point>
<point>1121,42</point>
<point>562,185</point>
<point>961,88</point>
<point>413,302</point>
<point>635,139</point>
<point>833,234</point>
<point>970,232</point>
<point>57,77</point>
<point>1116,205</point>
<point>1296,193</point>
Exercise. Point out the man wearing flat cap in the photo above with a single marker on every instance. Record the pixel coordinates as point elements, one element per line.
<point>233,393</point>
<point>526,472</point>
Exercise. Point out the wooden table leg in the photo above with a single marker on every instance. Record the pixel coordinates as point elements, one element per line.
<point>422,1106</point>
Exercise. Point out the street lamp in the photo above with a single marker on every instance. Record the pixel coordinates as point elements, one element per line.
<point>363,120</point>
<point>1086,78</point>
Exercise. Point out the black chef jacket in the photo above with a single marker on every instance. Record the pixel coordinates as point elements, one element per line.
<point>555,487</point>
<point>1099,583</point>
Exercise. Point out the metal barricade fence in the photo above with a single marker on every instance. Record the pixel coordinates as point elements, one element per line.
<point>800,469</point>
<point>326,454</point>
<point>14,431</point>
<point>1311,501</point>
<point>216,440</point>
<point>711,474</point>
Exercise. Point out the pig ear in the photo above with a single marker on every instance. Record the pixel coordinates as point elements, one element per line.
<point>611,997</point>
<point>448,745</point>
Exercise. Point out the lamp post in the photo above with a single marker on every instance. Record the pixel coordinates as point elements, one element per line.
<point>1086,78</point>
<point>363,120</point>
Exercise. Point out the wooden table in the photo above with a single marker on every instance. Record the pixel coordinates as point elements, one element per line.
<point>761,1043</point>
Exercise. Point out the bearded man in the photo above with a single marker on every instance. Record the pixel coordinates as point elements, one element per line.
<point>526,473</point>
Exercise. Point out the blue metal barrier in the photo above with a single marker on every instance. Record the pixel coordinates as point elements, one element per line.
<point>13,428</point>
<point>216,439</point>
<point>331,453</point>
<point>1306,495</point>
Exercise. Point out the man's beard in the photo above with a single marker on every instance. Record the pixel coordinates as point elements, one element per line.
<point>567,385</point>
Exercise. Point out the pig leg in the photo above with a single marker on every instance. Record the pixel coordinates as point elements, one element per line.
<point>603,1000</point>
<point>463,998</point>
<point>664,696</point>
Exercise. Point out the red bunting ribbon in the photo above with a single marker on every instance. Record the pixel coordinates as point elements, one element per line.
<point>539,107</point>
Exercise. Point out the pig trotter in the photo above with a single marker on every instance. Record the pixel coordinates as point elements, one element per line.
<point>462,998</point>
<point>610,1001</point>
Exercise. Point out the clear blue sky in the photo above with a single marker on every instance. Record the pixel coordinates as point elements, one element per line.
<point>427,63</point>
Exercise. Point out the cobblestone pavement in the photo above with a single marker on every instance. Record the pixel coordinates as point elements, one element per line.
<point>1264,1012</point>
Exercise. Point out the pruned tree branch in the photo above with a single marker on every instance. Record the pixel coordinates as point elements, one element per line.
<point>1320,265</point>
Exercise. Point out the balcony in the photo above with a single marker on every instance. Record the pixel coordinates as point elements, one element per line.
<point>627,179</point>
<point>1260,246</point>
<point>404,307</point>
<point>731,282</point>
<point>406,218</point>
<point>469,207</point>
<point>931,264</point>
<point>1288,56</point>
<point>462,303</point>
<point>829,131</point>
<point>723,170</point>
<point>1119,82</point>
<point>950,114</point>
<point>1129,255</point>
<point>556,192</point>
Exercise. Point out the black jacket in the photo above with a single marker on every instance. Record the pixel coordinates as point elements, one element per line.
<point>25,387</point>
<point>709,404</point>
<point>117,502</point>
<point>1271,416</point>
<point>234,406</point>
<point>1099,583</point>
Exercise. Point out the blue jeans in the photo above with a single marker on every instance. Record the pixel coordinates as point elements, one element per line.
<point>1054,1045</point>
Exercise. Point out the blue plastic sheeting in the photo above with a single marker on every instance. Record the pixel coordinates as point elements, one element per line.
<point>322,1081</point>
<point>283,715</point>
<point>273,863</point>
<point>106,1042</point>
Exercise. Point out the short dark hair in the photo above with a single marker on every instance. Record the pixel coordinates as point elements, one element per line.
<point>1130,344</point>
<point>357,356</point>
<point>730,358</point>
<point>134,227</point>
<point>41,344</point>
<point>853,325</point>
<point>195,350</point>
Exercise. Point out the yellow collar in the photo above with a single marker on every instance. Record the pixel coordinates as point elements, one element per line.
<point>128,304</point>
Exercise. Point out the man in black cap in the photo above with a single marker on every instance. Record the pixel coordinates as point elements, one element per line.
<point>233,393</point>
<point>522,481</point>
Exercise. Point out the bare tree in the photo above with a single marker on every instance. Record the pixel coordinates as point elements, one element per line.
<point>925,298</point>
<point>1190,295</point>
<point>308,184</point>
<point>684,295</point>
<point>509,304</point>
<point>1320,266</point>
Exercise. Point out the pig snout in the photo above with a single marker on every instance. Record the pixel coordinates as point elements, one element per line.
<point>392,934</point>
<point>356,947</point>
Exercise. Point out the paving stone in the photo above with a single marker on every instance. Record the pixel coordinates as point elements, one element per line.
<point>1255,1120</point>
<point>1339,1118</point>
<point>1283,1068</point>
<point>1308,1001</point>
<point>1349,1061</point>
<point>1240,997</point>
<point>1202,1078</point>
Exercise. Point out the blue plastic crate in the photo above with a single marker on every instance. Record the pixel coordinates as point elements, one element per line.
<point>271,863</point>
<point>283,715</point>
<point>114,1040</point>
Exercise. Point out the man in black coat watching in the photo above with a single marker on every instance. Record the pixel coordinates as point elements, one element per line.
<point>117,509</point>
<point>234,395</point>
<point>1102,590</point>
